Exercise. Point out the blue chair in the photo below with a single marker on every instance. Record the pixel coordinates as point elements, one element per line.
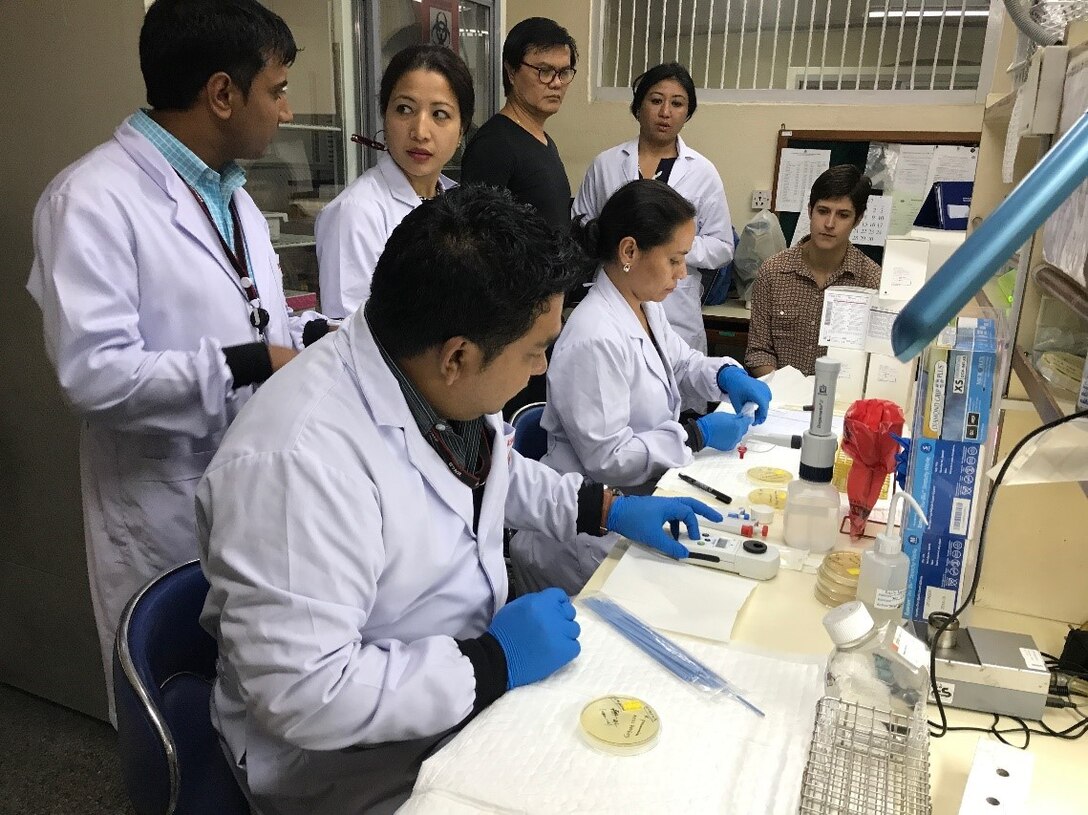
<point>530,439</point>
<point>163,669</point>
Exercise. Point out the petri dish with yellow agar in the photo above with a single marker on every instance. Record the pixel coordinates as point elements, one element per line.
<point>619,725</point>
<point>837,578</point>
<point>769,476</point>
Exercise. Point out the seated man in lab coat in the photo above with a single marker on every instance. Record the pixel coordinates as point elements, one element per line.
<point>161,294</point>
<point>351,523</point>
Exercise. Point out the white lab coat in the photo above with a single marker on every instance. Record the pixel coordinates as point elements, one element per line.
<point>694,177</point>
<point>343,564</point>
<point>138,299</point>
<point>612,415</point>
<point>352,229</point>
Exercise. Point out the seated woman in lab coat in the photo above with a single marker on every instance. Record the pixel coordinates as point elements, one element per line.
<point>617,372</point>
<point>664,101</point>
<point>427,101</point>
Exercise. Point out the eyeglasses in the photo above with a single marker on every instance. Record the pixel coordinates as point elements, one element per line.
<point>546,74</point>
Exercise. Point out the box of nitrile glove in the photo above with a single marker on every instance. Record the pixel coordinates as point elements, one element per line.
<point>938,563</point>
<point>945,480</point>
<point>972,366</point>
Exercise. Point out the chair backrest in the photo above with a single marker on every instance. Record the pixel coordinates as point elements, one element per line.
<point>530,439</point>
<point>163,669</point>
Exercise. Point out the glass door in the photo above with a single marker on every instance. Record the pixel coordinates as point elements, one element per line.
<point>471,27</point>
<point>309,161</point>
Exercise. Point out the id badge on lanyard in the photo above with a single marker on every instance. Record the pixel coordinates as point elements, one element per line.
<point>258,315</point>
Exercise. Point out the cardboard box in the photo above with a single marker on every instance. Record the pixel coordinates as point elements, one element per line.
<point>938,563</point>
<point>946,480</point>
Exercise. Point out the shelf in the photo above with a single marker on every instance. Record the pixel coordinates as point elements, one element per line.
<point>1041,393</point>
<point>285,240</point>
<point>999,108</point>
<point>319,128</point>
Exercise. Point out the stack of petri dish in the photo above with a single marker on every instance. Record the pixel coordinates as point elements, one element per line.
<point>837,578</point>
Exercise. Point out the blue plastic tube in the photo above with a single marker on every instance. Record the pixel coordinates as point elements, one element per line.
<point>1051,181</point>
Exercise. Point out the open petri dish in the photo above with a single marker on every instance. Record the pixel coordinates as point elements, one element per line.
<point>619,725</point>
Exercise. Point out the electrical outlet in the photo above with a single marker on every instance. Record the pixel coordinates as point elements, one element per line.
<point>761,199</point>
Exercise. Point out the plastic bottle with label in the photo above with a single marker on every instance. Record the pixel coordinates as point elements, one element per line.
<point>882,584</point>
<point>879,667</point>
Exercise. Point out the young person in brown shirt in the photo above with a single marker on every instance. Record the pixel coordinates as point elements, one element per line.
<point>788,295</point>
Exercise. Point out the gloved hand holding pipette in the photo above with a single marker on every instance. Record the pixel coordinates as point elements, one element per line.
<point>722,431</point>
<point>743,389</point>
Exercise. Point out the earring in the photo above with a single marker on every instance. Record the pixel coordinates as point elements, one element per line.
<point>626,268</point>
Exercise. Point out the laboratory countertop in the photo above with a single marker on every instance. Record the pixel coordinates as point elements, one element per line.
<point>784,615</point>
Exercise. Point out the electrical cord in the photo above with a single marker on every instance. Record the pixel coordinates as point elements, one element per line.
<point>943,727</point>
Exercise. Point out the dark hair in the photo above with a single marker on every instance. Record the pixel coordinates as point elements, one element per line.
<point>842,181</point>
<point>534,34</point>
<point>435,58</point>
<point>184,42</point>
<point>471,263</point>
<point>648,211</point>
<point>668,70</point>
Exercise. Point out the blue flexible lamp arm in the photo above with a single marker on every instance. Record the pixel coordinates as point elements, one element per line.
<point>1050,182</point>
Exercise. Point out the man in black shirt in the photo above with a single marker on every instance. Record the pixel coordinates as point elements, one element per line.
<point>512,150</point>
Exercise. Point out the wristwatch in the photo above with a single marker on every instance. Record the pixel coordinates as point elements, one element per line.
<point>609,495</point>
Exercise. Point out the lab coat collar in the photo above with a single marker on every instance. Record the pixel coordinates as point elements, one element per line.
<point>383,396</point>
<point>397,181</point>
<point>188,216</point>
<point>684,156</point>
<point>633,328</point>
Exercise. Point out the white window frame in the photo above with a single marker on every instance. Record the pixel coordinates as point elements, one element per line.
<point>599,91</point>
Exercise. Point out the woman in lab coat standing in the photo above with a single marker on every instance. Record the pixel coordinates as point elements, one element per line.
<point>427,102</point>
<point>617,373</point>
<point>664,101</point>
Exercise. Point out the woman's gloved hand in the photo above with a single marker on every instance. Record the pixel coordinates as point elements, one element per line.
<point>722,431</point>
<point>642,518</point>
<point>538,634</point>
<point>742,388</point>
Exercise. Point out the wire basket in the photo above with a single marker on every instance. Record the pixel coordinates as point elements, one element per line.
<point>1053,16</point>
<point>866,762</point>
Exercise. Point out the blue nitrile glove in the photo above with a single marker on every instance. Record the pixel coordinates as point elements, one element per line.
<point>538,634</point>
<point>722,431</point>
<point>741,389</point>
<point>902,458</point>
<point>641,518</point>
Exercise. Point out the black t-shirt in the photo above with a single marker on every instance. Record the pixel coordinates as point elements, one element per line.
<point>504,154</point>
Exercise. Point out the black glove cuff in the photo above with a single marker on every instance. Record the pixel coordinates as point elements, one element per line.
<point>313,331</point>
<point>489,665</point>
<point>695,436</point>
<point>590,501</point>
<point>248,363</point>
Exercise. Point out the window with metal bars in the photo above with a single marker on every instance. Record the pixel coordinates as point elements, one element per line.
<point>774,49</point>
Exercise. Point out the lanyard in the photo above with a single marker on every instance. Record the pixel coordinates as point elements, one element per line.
<point>258,316</point>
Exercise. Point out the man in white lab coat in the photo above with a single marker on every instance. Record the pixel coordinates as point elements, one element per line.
<point>351,523</point>
<point>161,296</point>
